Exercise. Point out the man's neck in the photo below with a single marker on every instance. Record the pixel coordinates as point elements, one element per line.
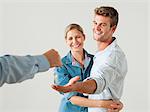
<point>102,45</point>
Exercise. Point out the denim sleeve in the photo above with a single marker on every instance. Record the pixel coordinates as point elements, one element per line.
<point>70,94</point>
<point>15,69</point>
<point>62,77</point>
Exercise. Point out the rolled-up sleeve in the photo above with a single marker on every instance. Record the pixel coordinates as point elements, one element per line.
<point>103,77</point>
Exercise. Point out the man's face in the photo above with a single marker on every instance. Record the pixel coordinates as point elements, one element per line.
<point>102,30</point>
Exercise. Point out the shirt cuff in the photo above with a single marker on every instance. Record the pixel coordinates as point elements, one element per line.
<point>42,63</point>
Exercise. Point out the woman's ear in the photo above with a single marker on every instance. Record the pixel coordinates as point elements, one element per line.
<point>66,40</point>
<point>84,36</point>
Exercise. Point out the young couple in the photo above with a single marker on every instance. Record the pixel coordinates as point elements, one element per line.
<point>101,76</point>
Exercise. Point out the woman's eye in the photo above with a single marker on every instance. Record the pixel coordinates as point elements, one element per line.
<point>70,38</point>
<point>78,37</point>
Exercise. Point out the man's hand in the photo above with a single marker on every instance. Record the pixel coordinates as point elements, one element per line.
<point>88,86</point>
<point>53,58</point>
<point>116,106</point>
<point>73,81</point>
<point>69,87</point>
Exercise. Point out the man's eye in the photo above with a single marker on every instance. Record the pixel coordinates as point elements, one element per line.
<point>103,25</point>
<point>94,23</point>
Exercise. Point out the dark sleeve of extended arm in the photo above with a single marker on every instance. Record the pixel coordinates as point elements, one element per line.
<point>15,69</point>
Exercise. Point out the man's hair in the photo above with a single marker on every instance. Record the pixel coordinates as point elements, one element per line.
<point>108,12</point>
<point>73,26</point>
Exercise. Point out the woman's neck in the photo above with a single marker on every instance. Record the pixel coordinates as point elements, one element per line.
<point>79,57</point>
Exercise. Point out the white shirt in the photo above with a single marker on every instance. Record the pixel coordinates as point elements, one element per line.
<point>109,70</point>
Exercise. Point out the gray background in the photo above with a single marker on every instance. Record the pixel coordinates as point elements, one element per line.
<point>35,26</point>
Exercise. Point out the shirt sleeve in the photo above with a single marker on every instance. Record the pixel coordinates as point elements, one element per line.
<point>62,77</point>
<point>114,69</point>
<point>106,73</point>
<point>15,69</point>
<point>103,78</point>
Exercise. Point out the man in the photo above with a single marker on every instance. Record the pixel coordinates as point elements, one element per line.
<point>15,69</point>
<point>110,65</point>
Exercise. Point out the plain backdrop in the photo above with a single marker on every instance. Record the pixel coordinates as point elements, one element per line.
<point>35,26</point>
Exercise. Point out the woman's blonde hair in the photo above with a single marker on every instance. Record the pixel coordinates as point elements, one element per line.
<point>73,26</point>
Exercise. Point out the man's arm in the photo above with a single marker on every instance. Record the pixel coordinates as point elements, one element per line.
<point>15,69</point>
<point>88,86</point>
<point>85,102</point>
<point>81,101</point>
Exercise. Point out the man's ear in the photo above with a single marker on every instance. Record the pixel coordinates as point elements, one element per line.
<point>114,28</point>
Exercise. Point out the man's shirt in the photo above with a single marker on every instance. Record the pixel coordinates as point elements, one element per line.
<point>109,70</point>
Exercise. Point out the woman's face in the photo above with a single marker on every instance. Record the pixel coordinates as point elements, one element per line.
<point>75,40</point>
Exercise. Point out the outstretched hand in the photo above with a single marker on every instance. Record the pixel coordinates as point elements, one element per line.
<point>69,87</point>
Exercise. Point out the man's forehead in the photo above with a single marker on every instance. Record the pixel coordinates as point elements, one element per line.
<point>99,18</point>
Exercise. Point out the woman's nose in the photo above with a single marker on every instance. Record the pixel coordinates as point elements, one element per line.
<point>74,40</point>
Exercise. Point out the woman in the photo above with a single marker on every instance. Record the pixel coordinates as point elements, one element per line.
<point>77,62</point>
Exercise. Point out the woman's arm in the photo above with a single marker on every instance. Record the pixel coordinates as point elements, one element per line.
<point>85,102</point>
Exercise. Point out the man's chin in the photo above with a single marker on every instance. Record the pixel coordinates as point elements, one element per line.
<point>97,38</point>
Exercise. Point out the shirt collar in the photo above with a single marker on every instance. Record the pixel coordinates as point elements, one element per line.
<point>71,60</point>
<point>75,63</point>
<point>108,48</point>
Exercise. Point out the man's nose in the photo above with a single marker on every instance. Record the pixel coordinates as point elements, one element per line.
<point>98,27</point>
